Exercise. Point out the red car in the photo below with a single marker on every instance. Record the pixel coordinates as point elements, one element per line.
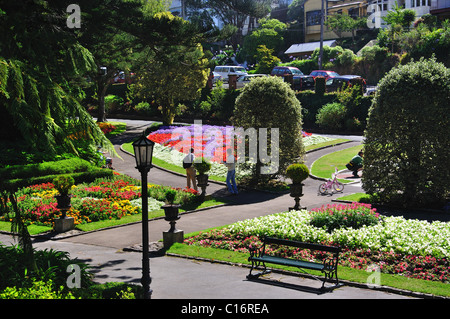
<point>326,74</point>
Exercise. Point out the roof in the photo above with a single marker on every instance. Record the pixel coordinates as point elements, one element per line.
<point>297,49</point>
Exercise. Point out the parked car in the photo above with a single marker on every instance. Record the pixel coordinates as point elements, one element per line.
<point>285,70</point>
<point>122,77</point>
<point>245,79</point>
<point>300,80</point>
<point>325,73</point>
<point>216,77</point>
<point>344,81</point>
<point>370,90</point>
<point>304,82</point>
<point>225,70</point>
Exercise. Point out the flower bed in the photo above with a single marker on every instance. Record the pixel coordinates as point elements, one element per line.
<point>173,142</point>
<point>411,248</point>
<point>103,199</point>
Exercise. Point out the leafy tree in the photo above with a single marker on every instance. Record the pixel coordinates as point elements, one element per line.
<point>233,12</point>
<point>398,20</point>
<point>406,146</point>
<point>296,10</point>
<point>174,73</point>
<point>41,67</point>
<point>399,16</point>
<point>340,23</point>
<point>114,37</point>
<point>268,102</point>
<point>266,60</point>
<point>269,33</point>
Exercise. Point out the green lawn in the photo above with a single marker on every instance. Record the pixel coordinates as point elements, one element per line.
<point>325,166</point>
<point>120,128</point>
<point>356,197</point>
<point>324,144</point>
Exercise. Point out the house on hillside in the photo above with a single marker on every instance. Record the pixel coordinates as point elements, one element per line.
<point>304,50</point>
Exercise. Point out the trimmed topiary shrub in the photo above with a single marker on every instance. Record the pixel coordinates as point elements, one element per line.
<point>297,172</point>
<point>270,103</point>
<point>202,167</point>
<point>406,158</point>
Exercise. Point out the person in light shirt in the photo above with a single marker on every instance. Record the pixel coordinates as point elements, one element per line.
<point>190,170</point>
<point>231,174</point>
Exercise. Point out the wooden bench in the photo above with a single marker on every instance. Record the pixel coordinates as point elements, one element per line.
<point>328,267</point>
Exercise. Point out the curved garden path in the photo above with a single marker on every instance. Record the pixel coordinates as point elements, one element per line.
<point>248,204</point>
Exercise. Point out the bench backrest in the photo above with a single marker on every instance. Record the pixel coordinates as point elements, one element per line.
<point>294,243</point>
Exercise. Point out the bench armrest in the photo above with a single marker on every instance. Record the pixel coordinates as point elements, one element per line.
<point>331,262</point>
<point>254,251</point>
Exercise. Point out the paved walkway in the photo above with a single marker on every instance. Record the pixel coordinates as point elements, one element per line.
<point>180,278</point>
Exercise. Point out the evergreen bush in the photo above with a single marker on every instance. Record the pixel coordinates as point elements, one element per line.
<point>406,158</point>
<point>268,102</point>
<point>331,116</point>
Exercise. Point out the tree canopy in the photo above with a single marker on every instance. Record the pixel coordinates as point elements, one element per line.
<point>41,66</point>
<point>173,73</point>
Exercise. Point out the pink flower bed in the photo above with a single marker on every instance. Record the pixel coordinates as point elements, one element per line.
<point>210,139</point>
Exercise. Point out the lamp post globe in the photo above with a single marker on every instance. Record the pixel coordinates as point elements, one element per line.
<point>143,151</point>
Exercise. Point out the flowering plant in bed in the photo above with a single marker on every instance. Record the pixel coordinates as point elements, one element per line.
<point>397,245</point>
<point>103,199</point>
<point>209,141</point>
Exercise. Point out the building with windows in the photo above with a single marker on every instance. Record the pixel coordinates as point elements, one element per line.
<point>177,8</point>
<point>382,7</point>
<point>440,8</point>
<point>313,13</point>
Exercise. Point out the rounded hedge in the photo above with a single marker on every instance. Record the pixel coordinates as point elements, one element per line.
<point>297,172</point>
<point>268,102</point>
<point>406,158</point>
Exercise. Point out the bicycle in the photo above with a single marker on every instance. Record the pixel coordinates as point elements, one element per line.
<point>332,183</point>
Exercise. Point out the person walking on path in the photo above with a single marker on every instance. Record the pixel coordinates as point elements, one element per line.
<point>188,164</point>
<point>231,174</point>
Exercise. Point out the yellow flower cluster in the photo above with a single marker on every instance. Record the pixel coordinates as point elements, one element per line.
<point>49,193</point>
<point>126,207</point>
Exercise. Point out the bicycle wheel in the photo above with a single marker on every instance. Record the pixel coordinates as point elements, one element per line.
<point>323,189</point>
<point>338,186</point>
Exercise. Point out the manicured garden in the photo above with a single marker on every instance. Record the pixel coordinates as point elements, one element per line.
<point>398,246</point>
<point>212,141</point>
<point>102,203</point>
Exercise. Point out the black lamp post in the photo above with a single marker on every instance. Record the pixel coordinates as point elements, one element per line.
<point>143,151</point>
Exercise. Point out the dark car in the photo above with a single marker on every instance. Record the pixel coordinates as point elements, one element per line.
<point>285,70</point>
<point>325,73</point>
<point>344,81</point>
<point>299,80</point>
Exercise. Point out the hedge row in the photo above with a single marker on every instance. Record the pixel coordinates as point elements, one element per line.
<point>17,176</point>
